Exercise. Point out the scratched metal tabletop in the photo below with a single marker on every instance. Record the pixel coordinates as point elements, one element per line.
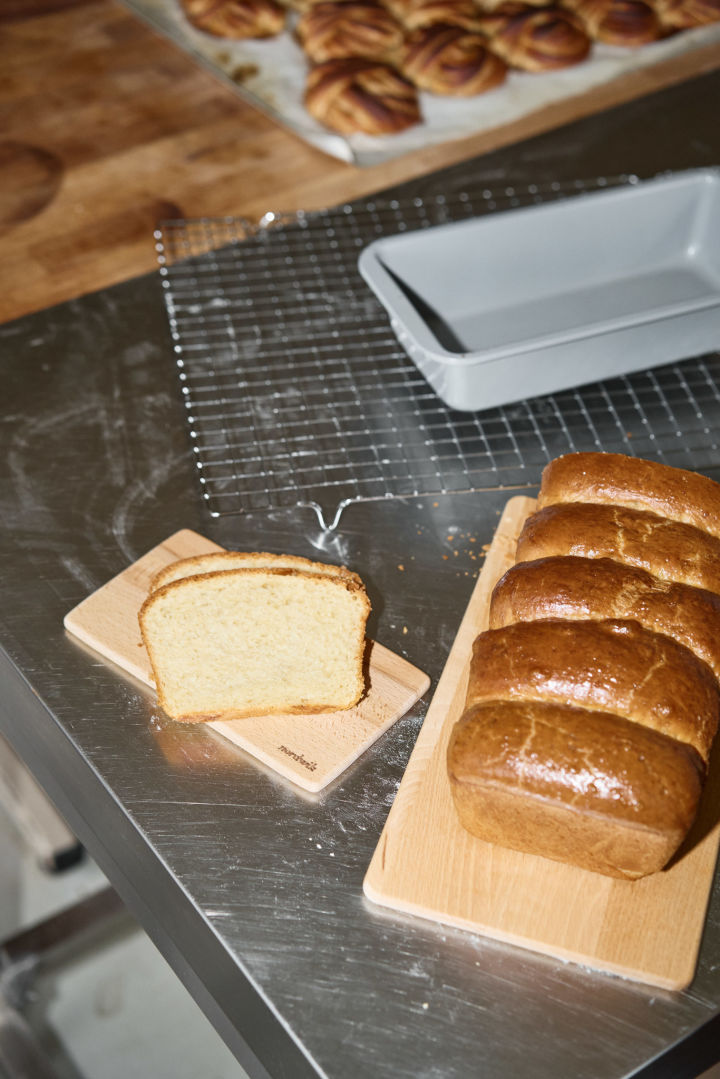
<point>251,889</point>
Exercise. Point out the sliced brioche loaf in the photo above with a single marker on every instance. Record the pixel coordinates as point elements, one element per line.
<point>250,642</point>
<point>224,560</point>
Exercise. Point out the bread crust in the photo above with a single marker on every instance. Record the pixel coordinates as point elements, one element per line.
<point>218,561</point>
<point>618,480</point>
<point>668,549</point>
<point>578,786</point>
<point>613,666</point>
<point>585,588</point>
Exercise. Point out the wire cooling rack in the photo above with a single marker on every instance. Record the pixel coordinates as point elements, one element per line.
<point>298,393</point>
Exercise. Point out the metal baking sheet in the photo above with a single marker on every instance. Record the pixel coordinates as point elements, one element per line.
<point>271,74</point>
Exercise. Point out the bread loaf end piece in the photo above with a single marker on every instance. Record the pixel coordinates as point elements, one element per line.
<point>586,788</point>
<point>255,642</point>
<point>633,482</point>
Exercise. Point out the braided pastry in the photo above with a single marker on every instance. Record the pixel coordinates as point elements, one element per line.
<point>539,39</point>
<point>330,30</point>
<point>686,14</point>
<point>618,22</point>
<point>449,60</point>
<point>358,95</point>
<point>236,18</point>
<point>414,14</point>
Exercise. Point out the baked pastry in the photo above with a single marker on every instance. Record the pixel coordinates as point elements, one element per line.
<point>218,561</point>
<point>594,699</point>
<point>236,19</point>
<point>328,31</point>
<point>670,550</point>
<point>579,786</point>
<point>357,95</point>
<point>252,642</point>
<point>601,665</point>
<point>415,14</point>
<point>537,39</point>
<point>687,14</point>
<point>615,479</point>
<point>588,588</point>
<point>618,22</point>
<point>450,60</point>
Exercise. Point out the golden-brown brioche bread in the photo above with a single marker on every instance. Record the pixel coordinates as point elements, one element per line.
<point>450,60</point>
<point>236,19</point>
<point>253,642</point>
<point>686,14</point>
<point>668,549</point>
<point>583,787</point>
<point>538,39</point>
<point>356,95</point>
<point>415,14</point>
<point>618,22</point>
<point>633,482</point>
<point>217,561</point>
<point>613,665</point>
<point>598,588</point>
<point>329,31</point>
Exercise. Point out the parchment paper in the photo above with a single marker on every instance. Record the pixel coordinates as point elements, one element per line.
<point>272,73</point>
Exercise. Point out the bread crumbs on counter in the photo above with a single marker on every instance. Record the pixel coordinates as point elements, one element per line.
<point>401,567</point>
<point>405,629</point>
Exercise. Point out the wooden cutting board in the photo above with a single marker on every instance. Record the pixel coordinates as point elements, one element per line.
<point>309,750</point>
<point>426,864</point>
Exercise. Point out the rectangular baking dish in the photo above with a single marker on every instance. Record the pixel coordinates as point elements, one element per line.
<point>534,300</point>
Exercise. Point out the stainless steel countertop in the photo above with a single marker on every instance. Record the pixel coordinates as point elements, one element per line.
<point>251,889</point>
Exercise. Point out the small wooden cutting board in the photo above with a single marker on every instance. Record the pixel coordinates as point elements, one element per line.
<point>426,864</point>
<point>309,750</point>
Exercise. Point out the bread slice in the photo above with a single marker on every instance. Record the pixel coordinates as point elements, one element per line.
<point>252,642</point>
<point>224,560</point>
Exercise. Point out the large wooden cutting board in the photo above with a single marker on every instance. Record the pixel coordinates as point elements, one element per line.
<point>309,750</point>
<point>426,864</point>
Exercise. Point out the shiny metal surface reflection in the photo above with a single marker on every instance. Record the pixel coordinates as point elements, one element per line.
<point>252,890</point>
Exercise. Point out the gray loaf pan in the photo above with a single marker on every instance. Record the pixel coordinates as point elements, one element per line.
<point>539,299</point>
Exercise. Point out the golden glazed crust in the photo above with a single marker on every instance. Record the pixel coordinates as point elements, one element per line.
<point>669,550</point>
<point>611,665</point>
<point>619,480</point>
<point>330,31</point>
<point>356,95</point>
<point>538,39</point>
<point>578,786</point>
<point>449,60</point>
<point>618,22</point>
<point>686,14</point>
<point>586,588</point>
<point>237,19</point>
<point>416,14</point>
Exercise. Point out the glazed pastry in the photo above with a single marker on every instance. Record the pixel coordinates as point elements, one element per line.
<point>328,31</point>
<point>618,480</point>
<point>537,39</point>
<point>618,22</point>
<point>669,550</point>
<point>686,14</point>
<point>449,60</point>
<point>236,19</point>
<point>357,95</point>
<point>597,588</point>
<point>415,14</point>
